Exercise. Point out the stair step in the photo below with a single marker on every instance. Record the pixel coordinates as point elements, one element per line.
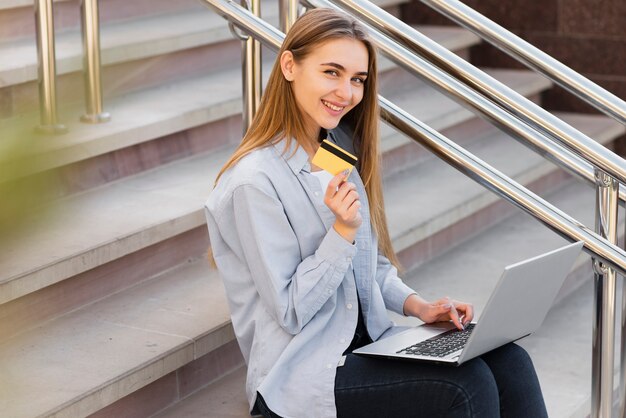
<point>120,42</point>
<point>119,223</point>
<point>85,360</point>
<point>40,261</point>
<point>12,4</point>
<point>561,347</point>
<point>523,82</point>
<point>129,51</point>
<point>445,115</point>
<point>17,16</point>
<point>119,220</point>
<point>143,116</point>
<point>445,197</point>
<point>225,398</point>
<point>130,41</point>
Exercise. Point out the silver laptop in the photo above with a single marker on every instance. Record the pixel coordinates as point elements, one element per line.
<point>516,308</point>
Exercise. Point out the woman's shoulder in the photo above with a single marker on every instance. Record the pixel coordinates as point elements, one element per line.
<point>255,169</point>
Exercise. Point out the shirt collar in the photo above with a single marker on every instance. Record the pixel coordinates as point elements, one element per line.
<point>300,159</point>
<point>295,156</point>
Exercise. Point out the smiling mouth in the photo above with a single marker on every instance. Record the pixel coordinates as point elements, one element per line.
<point>332,106</point>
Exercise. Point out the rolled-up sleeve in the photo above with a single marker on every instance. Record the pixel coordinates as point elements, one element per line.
<point>292,288</point>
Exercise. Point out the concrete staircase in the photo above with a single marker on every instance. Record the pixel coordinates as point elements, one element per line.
<point>109,308</point>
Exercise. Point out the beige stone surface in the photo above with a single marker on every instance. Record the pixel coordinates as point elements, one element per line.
<point>93,228</point>
<point>83,361</point>
<point>225,398</point>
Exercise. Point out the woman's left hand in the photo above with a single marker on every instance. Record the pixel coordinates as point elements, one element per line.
<point>445,309</point>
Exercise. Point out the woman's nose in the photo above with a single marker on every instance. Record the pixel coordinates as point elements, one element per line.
<point>344,90</point>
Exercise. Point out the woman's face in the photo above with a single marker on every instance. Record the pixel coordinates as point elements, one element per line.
<point>328,82</point>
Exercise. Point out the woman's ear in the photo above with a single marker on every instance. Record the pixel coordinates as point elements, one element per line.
<point>287,65</point>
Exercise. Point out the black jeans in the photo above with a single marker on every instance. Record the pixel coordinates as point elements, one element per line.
<point>501,383</point>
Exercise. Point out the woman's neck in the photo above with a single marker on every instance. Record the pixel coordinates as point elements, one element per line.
<point>312,142</point>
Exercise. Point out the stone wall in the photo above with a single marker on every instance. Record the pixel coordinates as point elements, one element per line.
<point>587,35</point>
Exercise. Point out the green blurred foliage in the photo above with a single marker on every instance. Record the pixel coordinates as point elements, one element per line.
<point>21,191</point>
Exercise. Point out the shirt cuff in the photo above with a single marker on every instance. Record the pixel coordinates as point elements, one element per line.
<point>396,297</point>
<point>335,248</point>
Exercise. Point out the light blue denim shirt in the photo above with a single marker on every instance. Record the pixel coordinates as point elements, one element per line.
<point>291,279</point>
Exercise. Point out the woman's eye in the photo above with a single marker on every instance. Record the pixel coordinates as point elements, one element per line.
<point>331,72</point>
<point>358,80</point>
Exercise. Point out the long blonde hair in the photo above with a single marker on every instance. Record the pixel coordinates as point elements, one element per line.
<point>279,116</point>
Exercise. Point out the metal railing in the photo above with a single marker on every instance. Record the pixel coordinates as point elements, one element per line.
<point>599,247</point>
<point>541,121</point>
<point>46,70</point>
<point>456,156</point>
<point>533,57</point>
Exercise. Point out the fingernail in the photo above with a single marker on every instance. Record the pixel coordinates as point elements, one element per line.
<point>345,172</point>
<point>448,306</point>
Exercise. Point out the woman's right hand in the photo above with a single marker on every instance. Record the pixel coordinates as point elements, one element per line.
<point>343,200</point>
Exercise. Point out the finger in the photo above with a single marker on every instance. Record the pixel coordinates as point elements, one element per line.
<point>456,320</point>
<point>354,213</point>
<point>336,181</point>
<point>341,192</point>
<point>469,313</point>
<point>353,210</point>
<point>349,199</point>
<point>464,309</point>
<point>454,316</point>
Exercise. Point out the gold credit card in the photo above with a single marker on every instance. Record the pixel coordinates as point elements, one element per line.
<point>333,159</point>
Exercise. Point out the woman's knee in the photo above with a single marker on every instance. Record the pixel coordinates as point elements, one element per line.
<point>509,360</point>
<point>478,389</point>
<point>468,391</point>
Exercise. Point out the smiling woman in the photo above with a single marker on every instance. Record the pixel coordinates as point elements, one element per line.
<point>326,90</point>
<point>307,262</point>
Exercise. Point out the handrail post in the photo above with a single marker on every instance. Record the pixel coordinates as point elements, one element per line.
<point>622,369</point>
<point>91,63</point>
<point>251,72</point>
<point>622,376</point>
<point>605,299</point>
<point>46,69</point>
<point>288,13</point>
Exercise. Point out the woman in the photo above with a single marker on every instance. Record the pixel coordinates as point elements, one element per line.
<point>307,261</point>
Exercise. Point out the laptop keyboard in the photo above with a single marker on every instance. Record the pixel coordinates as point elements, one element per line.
<point>440,345</point>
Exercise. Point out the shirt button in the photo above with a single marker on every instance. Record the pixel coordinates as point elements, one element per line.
<point>349,306</point>
<point>317,193</point>
<point>343,340</point>
<point>329,366</point>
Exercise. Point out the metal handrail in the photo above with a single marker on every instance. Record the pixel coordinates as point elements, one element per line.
<point>454,155</point>
<point>465,95</point>
<point>512,101</point>
<point>533,57</point>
